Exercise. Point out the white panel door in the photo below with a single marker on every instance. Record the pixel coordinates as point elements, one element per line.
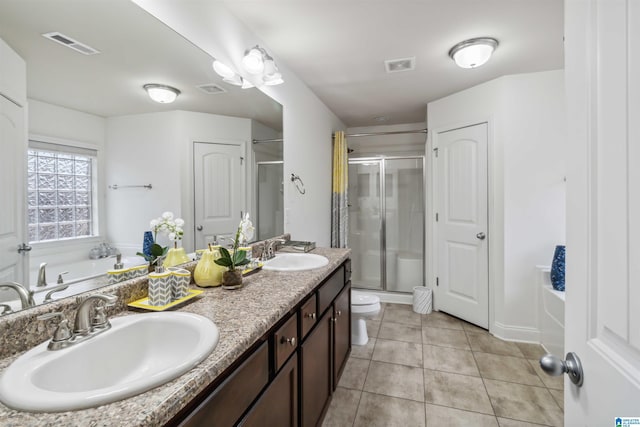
<point>461,205</point>
<point>219,187</point>
<point>13,266</point>
<point>602,317</point>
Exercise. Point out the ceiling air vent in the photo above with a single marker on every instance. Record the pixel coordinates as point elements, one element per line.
<point>211,88</point>
<point>402,64</point>
<point>71,43</point>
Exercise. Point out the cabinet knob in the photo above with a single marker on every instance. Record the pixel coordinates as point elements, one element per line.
<point>339,313</point>
<point>291,341</point>
<point>310,315</point>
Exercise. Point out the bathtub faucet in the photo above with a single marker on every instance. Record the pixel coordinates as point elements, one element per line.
<point>26,297</point>
<point>42,275</point>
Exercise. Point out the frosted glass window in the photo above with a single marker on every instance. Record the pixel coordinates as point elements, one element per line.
<point>60,199</point>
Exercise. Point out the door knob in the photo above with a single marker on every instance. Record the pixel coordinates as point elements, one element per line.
<point>199,228</point>
<point>555,366</point>
<point>481,235</point>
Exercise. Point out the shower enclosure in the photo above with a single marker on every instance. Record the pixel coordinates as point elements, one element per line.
<point>269,194</point>
<point>386,222</point>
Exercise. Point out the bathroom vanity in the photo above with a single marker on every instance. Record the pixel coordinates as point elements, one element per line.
<point>284,340</point>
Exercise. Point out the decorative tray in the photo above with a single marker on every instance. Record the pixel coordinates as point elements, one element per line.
<point>144,302</point>
<point>249,271</point>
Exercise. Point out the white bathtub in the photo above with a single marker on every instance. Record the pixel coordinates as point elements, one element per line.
<point>551,314</point>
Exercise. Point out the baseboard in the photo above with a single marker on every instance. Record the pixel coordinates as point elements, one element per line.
<point>390,297</point>
<point>516,333</point>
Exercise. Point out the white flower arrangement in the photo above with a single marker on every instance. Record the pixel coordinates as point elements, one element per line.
<point>167,224</point>
<point>246,229</point>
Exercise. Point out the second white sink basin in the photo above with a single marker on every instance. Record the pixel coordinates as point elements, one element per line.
<point>295,262</point>
<point>139,352</point>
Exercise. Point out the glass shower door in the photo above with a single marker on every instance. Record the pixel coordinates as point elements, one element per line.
<point>365,223</point>
<point>270,200</point>
<point>404,223</point>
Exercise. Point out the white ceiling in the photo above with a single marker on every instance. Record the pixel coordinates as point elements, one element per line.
<point>135,49</point>
<point>338,47</point>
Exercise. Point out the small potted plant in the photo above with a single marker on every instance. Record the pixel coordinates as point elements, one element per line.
<point>172,227</point>
<point>234,260</point>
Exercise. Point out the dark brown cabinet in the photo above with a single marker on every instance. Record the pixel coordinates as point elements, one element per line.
<point>315,357</point>
<point>341,332</point>
<point>288,379</point>
<point>278,405</point>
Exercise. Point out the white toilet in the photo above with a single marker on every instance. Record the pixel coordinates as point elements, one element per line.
<point>363,305</point>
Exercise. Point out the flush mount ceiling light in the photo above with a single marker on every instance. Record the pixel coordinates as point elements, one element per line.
<point>161,93</point>
<point>258,62</point>
<point>473,53</point>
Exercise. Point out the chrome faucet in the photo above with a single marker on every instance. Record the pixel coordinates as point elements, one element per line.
<point>42,275</point>
<point>84,327</point>
<point>270,247</point>
<point>26,297</point>
<point>48,295</point>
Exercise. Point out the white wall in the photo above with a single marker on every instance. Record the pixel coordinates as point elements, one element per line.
<point>157,149</point>
<point>65,125</point>
<point>307,123</point>
<point>527,135</point>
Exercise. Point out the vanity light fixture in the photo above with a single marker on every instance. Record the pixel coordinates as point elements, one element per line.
<point>473,53</point>
<point>230,76</point>
<point>161,93</point>
<point>258,62</point>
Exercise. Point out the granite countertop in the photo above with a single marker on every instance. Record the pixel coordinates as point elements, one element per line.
<point>242,316</point>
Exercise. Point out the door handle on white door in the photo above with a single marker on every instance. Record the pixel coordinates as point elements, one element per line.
<point>481,235</point>
<point>199,228</point>
<point>555,366</point>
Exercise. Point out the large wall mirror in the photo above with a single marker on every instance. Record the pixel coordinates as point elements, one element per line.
<point>97,102</point>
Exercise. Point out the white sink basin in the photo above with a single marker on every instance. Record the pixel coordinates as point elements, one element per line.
<point>295,262</point>
<point>139,352</point>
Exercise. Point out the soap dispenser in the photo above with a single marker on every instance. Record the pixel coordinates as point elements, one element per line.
<point>207,272</point>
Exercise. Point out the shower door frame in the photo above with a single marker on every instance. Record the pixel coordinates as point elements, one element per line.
<point>257,188</point>
<point>381,160</point>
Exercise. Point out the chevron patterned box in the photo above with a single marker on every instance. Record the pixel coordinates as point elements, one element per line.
<point>180,279</point>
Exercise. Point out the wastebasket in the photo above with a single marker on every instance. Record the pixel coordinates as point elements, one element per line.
<point>422,300</point>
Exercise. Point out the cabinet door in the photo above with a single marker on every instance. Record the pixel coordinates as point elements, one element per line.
<point>341,332</point>
<point>278,406</point>
<point>316,371</point>
<point>229,401</point>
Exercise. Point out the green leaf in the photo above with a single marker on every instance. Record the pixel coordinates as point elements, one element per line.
<point>243,262</point>
<point>225,262</point>
<point>224,254</point>
<point>145,256</point>
<point>157,250</point>
<point>239,256</point>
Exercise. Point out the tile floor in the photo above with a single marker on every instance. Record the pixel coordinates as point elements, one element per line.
<point>436,370</point>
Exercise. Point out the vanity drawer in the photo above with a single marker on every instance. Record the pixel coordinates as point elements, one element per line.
<point>285,341</point>
<point>229,401</point>
<point>347,270</point>
<point>330,289</point>
<point>308,316</point>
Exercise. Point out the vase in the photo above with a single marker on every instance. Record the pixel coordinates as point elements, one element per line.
<point>207,272</point>
<point>232,279</point>
<point>175,256</point>
<point>147,242</point>
<point>558,268</point>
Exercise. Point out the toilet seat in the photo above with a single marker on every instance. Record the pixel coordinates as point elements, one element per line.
<point>362,303</point>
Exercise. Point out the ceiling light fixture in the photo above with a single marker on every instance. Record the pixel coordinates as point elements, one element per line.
<point>161,93</point>
<point>258,62</point>
<point>473,53</point>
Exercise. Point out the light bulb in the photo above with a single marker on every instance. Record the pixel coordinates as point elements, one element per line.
<point>253,62</point>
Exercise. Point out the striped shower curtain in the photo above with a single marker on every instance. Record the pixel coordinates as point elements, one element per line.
<point>339,210</point>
